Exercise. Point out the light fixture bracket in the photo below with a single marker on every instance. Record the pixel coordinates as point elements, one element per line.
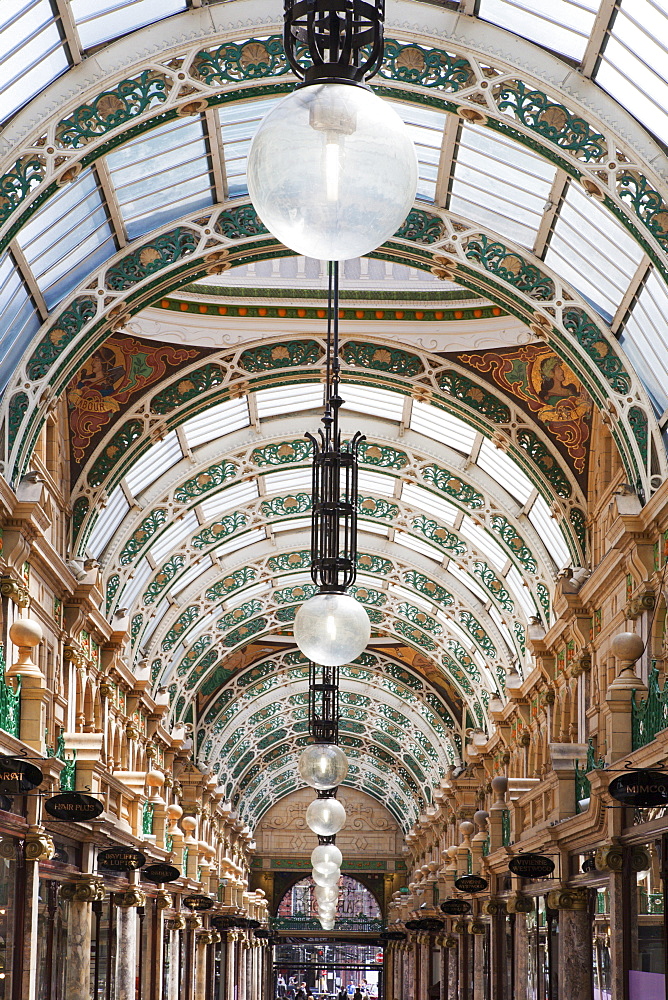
<point>342,38</point>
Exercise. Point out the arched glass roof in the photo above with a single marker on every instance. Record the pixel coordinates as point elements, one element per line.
<point>198,510</point>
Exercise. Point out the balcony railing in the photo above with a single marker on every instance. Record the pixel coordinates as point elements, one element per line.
<point>650,902</point>
<point>582,783</point>
<point>363,925</point>
<point>650,714</point>
<point>10,702</point>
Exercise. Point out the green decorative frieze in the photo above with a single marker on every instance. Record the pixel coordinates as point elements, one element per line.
<point>112,108</point>
<point>188,387</point>
<point>70,322</point>
<point>414,635</point>
<point>453,486</point>
<point>419,617</point>
<point>146,260</point>
<point>509,266</point>
<point>551,120</point>
<point>381,456</point>
<point>142,535</point>
<point>544,598</point>
<point>456,672</point>
<point>240,223</point>
<point>465,659</point>
<point>250,60</point>
<point>515,543</point>
<point>521,639</point>
<point>17,409</point>
<point>245,632</point>
<point>282,453</point>
<point>286,614</point>
<point>236,579</point>
<point>421,227</point>
<point>382,359</point>
<point>638,421</point>
<point>289,561</point>
<point>205,481</point>
<point>221,529</point>
<point>238,615</point>
<point>546,461</point>
<point>376,507</point>
<point>591,339</point>
<point>579,523</point>
<point>368,563</point>
<point>646,202</point>
<point>195,651</point>
<point>288,595</point>
<point>113,584</point>
<point>477,632</point>
<point>292,354</point>
<point>437,533</point>
<point>428,587</point>
<point>135,628</point>
<point>492,583</point>
<point>80,508</point>
<point>433,68</point>
<point>365,595</point>
<point>110,454</point>
<point>288,506</point>
<point>163,577</point>
<point>183,622</point>
<point>27,173</point>
<point>479,399</point>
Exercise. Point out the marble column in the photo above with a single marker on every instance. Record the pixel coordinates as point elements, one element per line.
<point>443,966</point>
<point>202,941</point>
<point>424,972</point>
<point>126,953</point>
<point>79,895</point>
<point>230,972</point>
<point>479,984</point>
<point>575,953</point>
<point>453,970</point>
<point>521,957</point>
<point>173,981</point>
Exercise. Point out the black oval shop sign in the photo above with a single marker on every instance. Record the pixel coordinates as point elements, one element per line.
<point>74,806</point>
<point>642,789</point>
<point>121,859</point>
<point>531,865</point>
<point>160,873</point>
<point>198,903</point>
<point>18,776</point>
<point>455,907</point>
<point>471,883</point>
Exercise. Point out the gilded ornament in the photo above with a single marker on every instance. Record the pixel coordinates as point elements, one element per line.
<point>610,857</point>
<point>519,904</point>
<point>131,897</point>
<point>39,846</point>
<point>568,899</point>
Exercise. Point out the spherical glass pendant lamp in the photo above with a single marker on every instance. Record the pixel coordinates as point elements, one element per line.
<point>326,880</point>
<point>332,629</point>
<point>332,171</point>
<point>326,858</point>
<point>323,765</point>
<point>326,894</point>
<point>325,817</point>
<point>327,925</point>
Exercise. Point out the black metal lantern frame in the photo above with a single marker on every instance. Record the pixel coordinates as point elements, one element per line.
<point>344,39</point>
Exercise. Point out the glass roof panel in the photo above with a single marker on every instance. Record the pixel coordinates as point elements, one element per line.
<point>465,579</point>
<point>158,459</point>
<point>216,421</point>
<point>454,628</point>
<point>442,427</point>
<point>173,536</point>
<point>19,320</point>
<point>67,238</point>
<point>233,496</point>
<point>549,531</point>
<point>633,67</point>
<point>108,520</point>
<point>245,595</point>
<point>241,541</point>
<point>645,339</point>
<point>288,479</point>
<point>424,500</point>
<point>239,123</point>
<point>373,529</point>
<point>375,482</point>
<point>100,21</point>
<point>33,54</point>
<point>154,621</point>
<point>291,524</point>
<point>136,583</point>
<point>502,627</point>
<point>504,471</point>
<point>401,538</point>
<point>289,399</point>
<point>592,251</point>
<point>407,595</point>
<point>162,175</point>
<point>482,541</point>
<point>376,402</point>
<point>522,593</point>
<point>561,25</point>
<point>426,131</point>
<point>499,184</point>
<point>195,571</point>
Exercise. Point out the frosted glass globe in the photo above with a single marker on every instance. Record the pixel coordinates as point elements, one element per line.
<point>332,171</point>
<point>326,894</point>
<point>325,817</point>
<point>328,908</point>
<point>327,925</point>
<point>323,765</point>
<point>332,629</point>
<point>331,879</point>
<point>326,858</point>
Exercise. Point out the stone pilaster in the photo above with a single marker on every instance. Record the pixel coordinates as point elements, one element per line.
<point>575,954</point>
<point>79,896</point>
<point>202,940</point>
<point>126,943</point>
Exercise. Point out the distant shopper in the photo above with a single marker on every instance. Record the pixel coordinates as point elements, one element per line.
<point>358,995</point>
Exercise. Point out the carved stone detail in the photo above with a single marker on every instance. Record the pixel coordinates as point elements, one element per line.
<point>86,889</point>
<point>131,897</point>
<point>568,899</point>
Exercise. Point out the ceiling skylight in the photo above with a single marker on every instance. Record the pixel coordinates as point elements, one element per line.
<point>198,569</point>
<point>422,499</point>
<point>216,421</point>
<point>19,320</point>
<point>108,520</point>
<point>158,459</point>
<point>633,67</point>
<point>484,543</point>
<point>68,238</point>
<point>173,536</point>
<point>522,593</point>
<point>289,399</point>
<point>98,21</point>
<point>592,251</point>
<point>162,175</point>
<point>442,427</point>
<point>288,480</point>
<point>233,496</point>
<point>504,471</point>
<point>375,482</point>
<point>561,25</point>
<point>548,529</point>
<point>136,583</point>
<point>401,538</point>
<point>33,53</point>
<point>499,184</point>
<point>426,130</point>
<point>368,399</point>
<point>239,123</point>
<point>645,339</point>
<point>465,579</point>
<point>240,542</point>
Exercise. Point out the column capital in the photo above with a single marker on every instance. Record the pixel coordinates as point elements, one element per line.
<point>131,898</point>
<point>568,899</point>
<point>86,889</point>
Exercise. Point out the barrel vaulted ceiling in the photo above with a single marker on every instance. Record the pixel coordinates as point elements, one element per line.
<point>523,300</point>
